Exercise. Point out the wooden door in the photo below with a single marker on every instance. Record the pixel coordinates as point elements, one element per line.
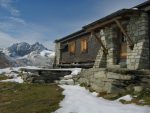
<point>123,50</point>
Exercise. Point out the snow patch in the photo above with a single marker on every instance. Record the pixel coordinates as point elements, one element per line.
<point>8,70</point>
<point>95,94</point>
<point>126,98</point>
<point>15,79</point>
<point>46,53</point>
<point>68,79</point>
<point>79,100</point>
<point>76,71</point>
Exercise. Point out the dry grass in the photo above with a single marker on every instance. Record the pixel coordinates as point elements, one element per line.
<point>29,98</point>
<point>3,77</point>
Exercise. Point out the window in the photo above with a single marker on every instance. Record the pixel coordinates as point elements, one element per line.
<point>84,45</point>
<point>64,47</point>
<point>72,47</point>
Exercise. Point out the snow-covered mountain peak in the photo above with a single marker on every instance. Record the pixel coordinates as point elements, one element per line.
<point>24,54</point>
<point>37,47</point>
<point>19,49</point>
<point>23,48</point>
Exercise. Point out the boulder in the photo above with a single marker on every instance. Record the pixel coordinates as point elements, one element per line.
<point>138,88</point>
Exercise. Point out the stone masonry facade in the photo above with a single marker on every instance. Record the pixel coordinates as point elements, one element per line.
<point>57,52</point>
<point>138,57</point>
<point>109,75</point>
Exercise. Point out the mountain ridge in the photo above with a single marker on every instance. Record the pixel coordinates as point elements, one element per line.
<point>23,48</point>
<point>24,54</point>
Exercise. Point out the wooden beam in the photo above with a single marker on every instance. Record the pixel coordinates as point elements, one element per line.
<point>85,65</point>
<point>131,44</point>
<point>101,24</point>
<point>105,50</point>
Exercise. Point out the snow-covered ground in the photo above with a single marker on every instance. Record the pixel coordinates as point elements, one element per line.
<point>68,79</point>
<point>8,70</point>
<point>15,78</point>
<point>79,100</point>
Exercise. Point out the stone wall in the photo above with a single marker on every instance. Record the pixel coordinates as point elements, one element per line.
<point>138,29</point>
<point>108,38</point>
<point>42,75</point>
<point>113,45</point>
<point>100,61</point>
<point>57,53</point>
<point>113,80</point>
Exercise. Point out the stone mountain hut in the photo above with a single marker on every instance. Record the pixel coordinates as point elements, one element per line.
<point>113,52</point>
<point>120,39</point>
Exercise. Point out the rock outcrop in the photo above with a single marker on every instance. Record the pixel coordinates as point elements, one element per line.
<point>4,62</point>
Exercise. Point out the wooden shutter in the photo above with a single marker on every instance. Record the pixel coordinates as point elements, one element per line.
<point>123,52</point>
<point>72,47</point>
<point>84,45</point>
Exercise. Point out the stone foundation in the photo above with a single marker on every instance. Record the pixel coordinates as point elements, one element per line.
<point>113,80</point>
<point>43,75</point>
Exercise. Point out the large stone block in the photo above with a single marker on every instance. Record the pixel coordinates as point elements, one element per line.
<point>97,88</point>
<point>98,82</point>
<point>67,82</point>
<point>113,89</point>
<point>100,74</point>
<point>138,88</point>
<point>111,75</point>
<point>83,80</point>
<point>142,32</point>
<point>116,76</point>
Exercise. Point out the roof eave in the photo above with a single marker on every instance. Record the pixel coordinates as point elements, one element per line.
<point>83,30</point>
<point>112,15</point>
<point>142,4</point>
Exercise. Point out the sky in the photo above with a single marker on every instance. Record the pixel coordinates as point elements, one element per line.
<point>47,20</point>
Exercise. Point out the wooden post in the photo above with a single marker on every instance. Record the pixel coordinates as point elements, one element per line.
<point>100,42</point>
<point>131,44</point>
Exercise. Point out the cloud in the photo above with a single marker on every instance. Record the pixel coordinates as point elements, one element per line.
<point>11,24</point>
<point>6,40</point>
<point>36,36</point>
<point>7,4</point>
<point>18,20</point>
<point>13,30</point>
